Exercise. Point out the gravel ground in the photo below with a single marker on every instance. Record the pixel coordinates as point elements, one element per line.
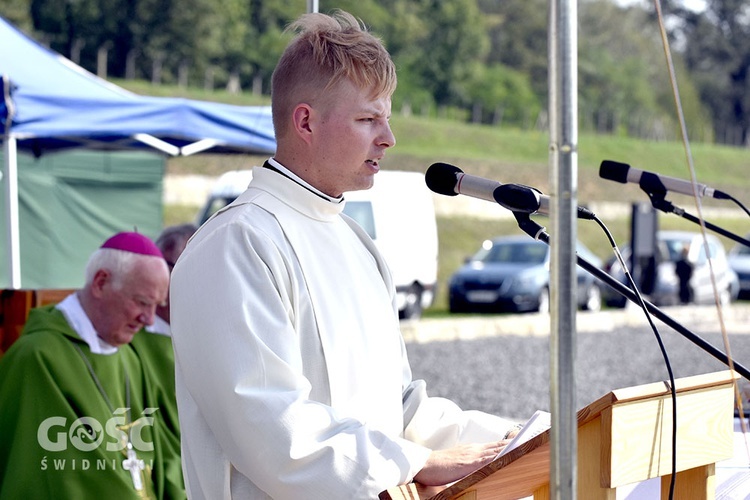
<point>508,374</point>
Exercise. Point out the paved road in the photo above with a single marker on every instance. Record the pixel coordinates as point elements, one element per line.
<point>487,366</point>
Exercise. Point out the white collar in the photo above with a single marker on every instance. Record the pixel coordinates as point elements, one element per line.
<point>81,324</point>
<point>302,182</point>
<point>292,194</point>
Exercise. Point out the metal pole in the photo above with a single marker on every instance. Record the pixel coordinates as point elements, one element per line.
<point>11,211</point>
<point>312,6</point>
<point>10,179</point>
<point>563,160</point>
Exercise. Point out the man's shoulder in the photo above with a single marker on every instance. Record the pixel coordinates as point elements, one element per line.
<point>247,221</point>
<point>47,320</point>
<point>46,331</point>
<point>36,353</point>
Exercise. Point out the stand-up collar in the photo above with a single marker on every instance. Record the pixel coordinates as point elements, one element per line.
<point>296,193</point>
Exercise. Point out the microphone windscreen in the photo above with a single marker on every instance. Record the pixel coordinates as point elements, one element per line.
<point>441,178</point>
<point>517,198</point>
<point>614,171</point>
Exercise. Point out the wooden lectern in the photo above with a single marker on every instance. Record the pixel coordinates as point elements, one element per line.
<point>624,437</point>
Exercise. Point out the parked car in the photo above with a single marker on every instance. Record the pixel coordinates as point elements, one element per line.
<point>224,191</point>
<point>670,246</point>
<point>511,273</point>
<point>739,261</point>
<point>399,215</point>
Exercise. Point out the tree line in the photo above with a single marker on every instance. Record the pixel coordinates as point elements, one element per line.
<point>478,60</point>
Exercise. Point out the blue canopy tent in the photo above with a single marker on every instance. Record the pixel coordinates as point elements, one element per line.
<point>49,104</point>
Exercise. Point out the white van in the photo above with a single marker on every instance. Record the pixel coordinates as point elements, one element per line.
<point>399,216</point>
<point>224,191</point>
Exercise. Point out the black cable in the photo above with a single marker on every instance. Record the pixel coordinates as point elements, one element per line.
<point>642,304</point>
<point>660,203</point>
<point>538,233</point>
<point>724,196</point>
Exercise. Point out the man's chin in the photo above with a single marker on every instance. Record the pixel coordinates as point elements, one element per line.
<point>366,182</point>
<point>124,338</point>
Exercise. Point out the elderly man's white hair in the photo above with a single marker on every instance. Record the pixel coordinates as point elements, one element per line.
<point>118,262</point>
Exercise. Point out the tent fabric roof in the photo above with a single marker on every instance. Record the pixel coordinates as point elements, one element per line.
<point>56,104</point>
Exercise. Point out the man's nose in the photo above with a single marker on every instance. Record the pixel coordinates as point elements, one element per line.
<point>389,139</point>
<point>147,315</point>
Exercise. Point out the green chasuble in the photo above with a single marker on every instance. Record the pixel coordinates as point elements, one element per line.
<point>63,435</point>
<point>157,359</point>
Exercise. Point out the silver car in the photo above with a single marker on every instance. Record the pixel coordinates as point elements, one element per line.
<point>739,261</point>
<point>666,289</point>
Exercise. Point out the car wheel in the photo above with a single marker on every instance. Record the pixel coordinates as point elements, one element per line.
<point>617,302</point>
<point>593,298</point>
<point>413,307</point>
<point>454,306</point>
<point>543,301</point>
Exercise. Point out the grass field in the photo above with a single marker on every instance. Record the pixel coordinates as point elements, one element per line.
<point>516,156</point>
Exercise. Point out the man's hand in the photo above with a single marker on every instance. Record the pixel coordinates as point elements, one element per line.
<point>447,466</point>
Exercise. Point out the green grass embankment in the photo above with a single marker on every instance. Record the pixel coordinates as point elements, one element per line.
<point>516,156</point>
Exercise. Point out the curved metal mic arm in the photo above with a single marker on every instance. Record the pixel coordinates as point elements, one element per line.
<point>538,232</point>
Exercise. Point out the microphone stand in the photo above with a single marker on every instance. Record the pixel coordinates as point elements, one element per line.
<point>659,202</point>
<point>537,232</point>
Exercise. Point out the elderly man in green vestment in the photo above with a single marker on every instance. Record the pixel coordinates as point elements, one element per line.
<point>80,417</point>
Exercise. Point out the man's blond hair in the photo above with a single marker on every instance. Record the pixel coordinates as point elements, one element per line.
<point>326,51</point>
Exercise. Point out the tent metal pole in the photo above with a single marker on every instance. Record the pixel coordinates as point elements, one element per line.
<point>10,179</point>
<point>563,104</point>
<point>157,144</point>
<point>198,147</point>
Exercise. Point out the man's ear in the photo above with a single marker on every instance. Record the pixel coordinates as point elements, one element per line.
<point>101,278</point>
<point>302,117</point>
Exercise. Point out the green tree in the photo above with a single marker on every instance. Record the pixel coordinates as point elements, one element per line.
<point>450,49</point>
<point>717,53</point>
<point>18,13</point>
<point>171,31</point>
<point>168,30</point>
<point>64,25</point>
<point>371,12</point>
<point>624,84</point>
<point>517,30</point>
<point>436,46</point>
<point>269,19</point>
<point>484,56</point>
<point>402,27</point>
<point>504,95</point>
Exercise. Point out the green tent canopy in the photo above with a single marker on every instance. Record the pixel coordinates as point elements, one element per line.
<point>70,202</point>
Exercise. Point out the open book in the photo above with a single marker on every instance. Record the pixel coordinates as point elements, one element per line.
<point>539,422</point>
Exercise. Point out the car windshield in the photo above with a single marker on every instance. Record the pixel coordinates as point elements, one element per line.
<point>525,253</point>
<point>675,247</point>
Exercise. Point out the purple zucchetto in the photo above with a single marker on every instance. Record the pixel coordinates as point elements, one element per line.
<point>134,243</point>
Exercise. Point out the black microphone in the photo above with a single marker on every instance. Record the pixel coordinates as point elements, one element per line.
<point>450,180</point>
<point>651,182</point>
